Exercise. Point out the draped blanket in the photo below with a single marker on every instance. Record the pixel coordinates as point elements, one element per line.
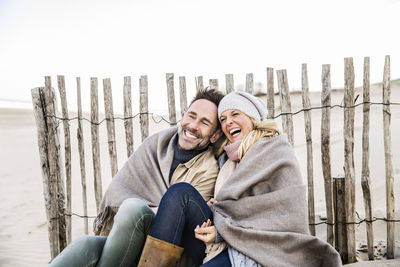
<point>145,175</point>
<point>262,209</point>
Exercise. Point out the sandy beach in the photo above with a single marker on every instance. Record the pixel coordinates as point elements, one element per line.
<point>23,229</point>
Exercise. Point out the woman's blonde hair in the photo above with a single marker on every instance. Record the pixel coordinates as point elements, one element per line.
<point>260,129</point>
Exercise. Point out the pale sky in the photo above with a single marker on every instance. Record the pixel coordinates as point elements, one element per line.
<point>112,39</point>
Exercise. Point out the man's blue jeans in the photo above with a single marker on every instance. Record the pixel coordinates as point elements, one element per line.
<point>122,247</point>
<point>181,209</point>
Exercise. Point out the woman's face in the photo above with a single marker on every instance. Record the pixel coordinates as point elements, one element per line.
<point>235,124</point>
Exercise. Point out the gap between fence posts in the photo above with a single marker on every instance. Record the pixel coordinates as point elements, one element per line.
<point>388,159</point>
<point>307,122</point>
<point>144,107</point>
<point>365,178</point>
<point>348,133</point>
<point>67,151</point>
<point>325,148</point>
<point>94,118</point>
<point>81,147</point>
<point>128,116</point>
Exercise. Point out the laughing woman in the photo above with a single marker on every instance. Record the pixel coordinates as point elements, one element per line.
<point>258,216</point>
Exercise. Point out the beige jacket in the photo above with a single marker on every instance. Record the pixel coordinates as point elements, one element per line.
<point>201,172</point>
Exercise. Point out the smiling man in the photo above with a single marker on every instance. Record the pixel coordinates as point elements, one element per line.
<point>178,154</point>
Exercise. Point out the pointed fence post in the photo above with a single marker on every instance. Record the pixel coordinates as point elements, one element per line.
<point>388,159</point>
<point>250,83</point>
<point>349,158</point>
<point>67,151</point>
<point>128,115</point>
<point>365,178</point>
<point>171,98</point>
<point>229,83</point>
<point>94,118</point>
<point>81,149</point>
<point>308,132</point>
<point>270,93</point>
<point>325,147</point>
<point>286,111</point>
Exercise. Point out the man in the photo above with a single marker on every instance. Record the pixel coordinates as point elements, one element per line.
<point>177,154</point>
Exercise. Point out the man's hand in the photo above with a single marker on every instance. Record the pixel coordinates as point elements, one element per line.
<point>211,202</point>
<point>205,232</point>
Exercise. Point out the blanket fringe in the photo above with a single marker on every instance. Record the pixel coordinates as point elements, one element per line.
<point>104,221</point>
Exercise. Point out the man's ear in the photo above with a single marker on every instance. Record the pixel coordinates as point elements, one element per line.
<point>214,138</point>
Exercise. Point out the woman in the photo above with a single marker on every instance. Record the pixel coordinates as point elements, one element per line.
<point>259,213</point>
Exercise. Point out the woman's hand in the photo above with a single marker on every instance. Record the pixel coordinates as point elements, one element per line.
<point>205,232</point>
<point>211,202</point>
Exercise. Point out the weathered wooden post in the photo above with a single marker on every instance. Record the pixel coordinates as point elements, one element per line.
<point>339,185</point>
<point>388,159</point>
<point>67,151</point>
<point>199,83</point>
<point>94,118</point>
<point>81,148</point>
<point>349,158</point>
<point>287,122</point>
<point>144,107</point>
<point>44,104</point>
<point>49,189</point>
<point>229,83</point>
<point>250,83</point>
<point>128,115</point>
<point>182,95</point>
<point>171,98</point>
<point>365,178</point>
<point>307,122</point>
<point>213,83</point>
<point>270,93</point>
<point>109,112</point>
<point>325,147</point>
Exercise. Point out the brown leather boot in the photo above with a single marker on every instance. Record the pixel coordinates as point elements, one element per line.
<point>158,253</point>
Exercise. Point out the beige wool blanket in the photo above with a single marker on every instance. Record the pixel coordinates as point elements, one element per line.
<point>262,209</point>
<point>145,175</point>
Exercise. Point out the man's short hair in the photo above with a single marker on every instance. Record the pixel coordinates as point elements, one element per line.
<point>211,95</point>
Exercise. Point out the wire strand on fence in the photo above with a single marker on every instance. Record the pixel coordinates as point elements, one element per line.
<point>165,120</point>
<point>360,221</point>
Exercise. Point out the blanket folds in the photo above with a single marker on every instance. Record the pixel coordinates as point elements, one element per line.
<point>156,155</point>
<point>262,209</point>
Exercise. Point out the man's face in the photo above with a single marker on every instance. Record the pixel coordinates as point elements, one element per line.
<point>198,126</point>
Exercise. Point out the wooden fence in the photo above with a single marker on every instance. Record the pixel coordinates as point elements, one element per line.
<point>339,191</point>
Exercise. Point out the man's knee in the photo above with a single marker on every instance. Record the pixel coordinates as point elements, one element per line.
<point>131,211</point>
<point>180,190</point>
